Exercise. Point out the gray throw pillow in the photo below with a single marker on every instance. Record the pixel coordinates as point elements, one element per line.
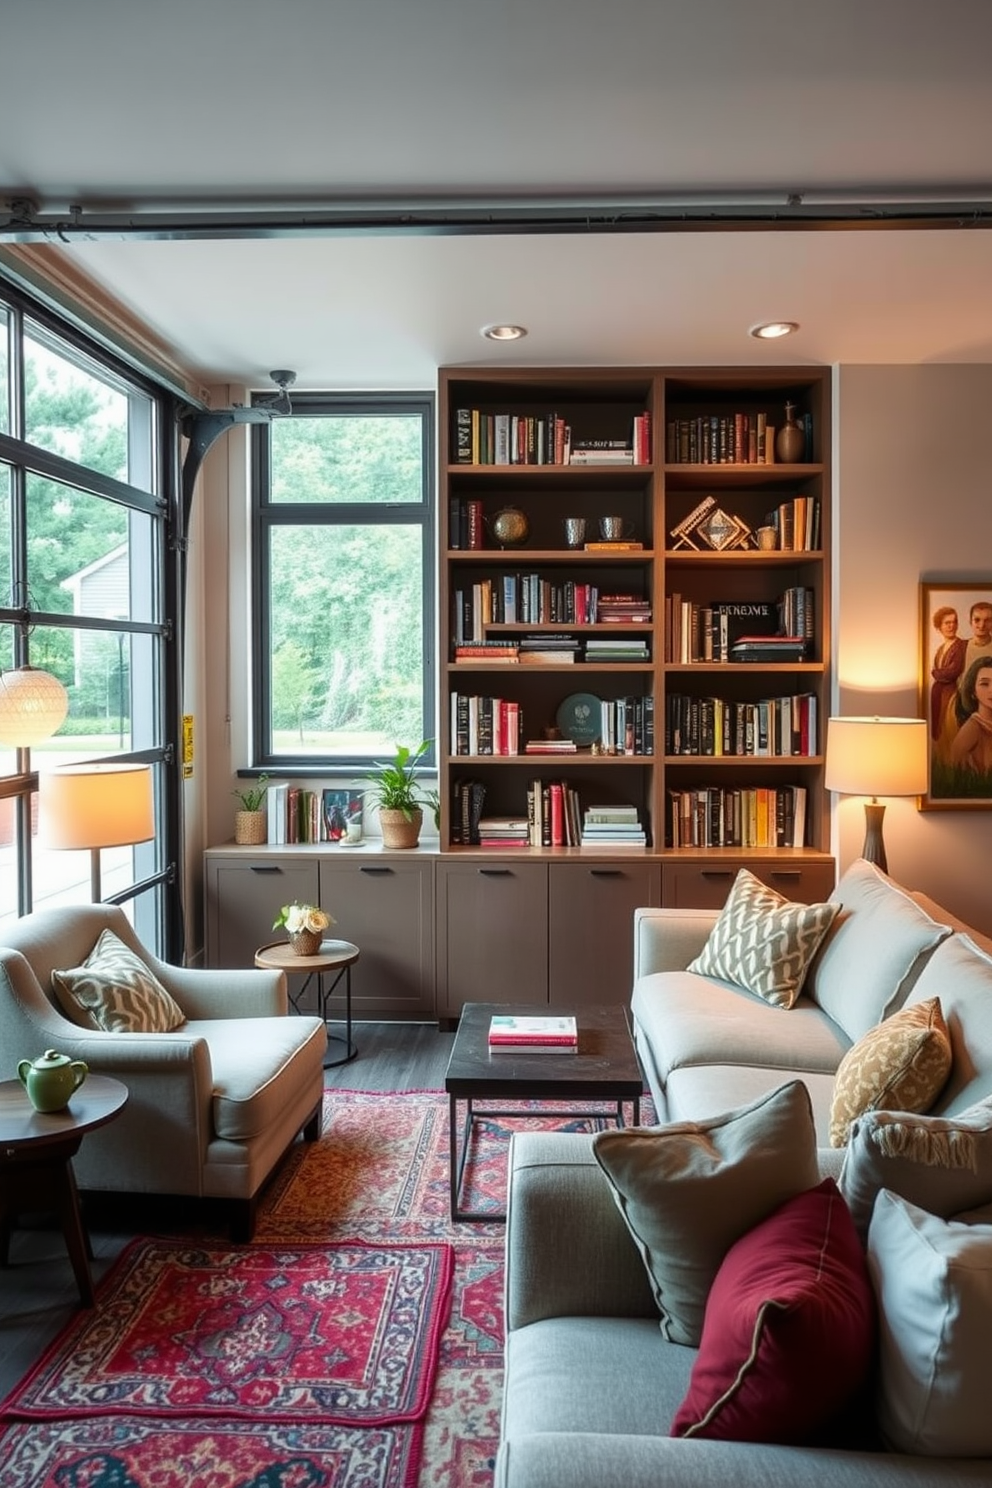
<point>688,1191</point>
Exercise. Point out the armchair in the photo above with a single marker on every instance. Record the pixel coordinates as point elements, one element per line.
<point>214,1104</point>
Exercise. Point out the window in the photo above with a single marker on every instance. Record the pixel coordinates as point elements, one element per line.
<point>343,539</point>
<point>82,585</point>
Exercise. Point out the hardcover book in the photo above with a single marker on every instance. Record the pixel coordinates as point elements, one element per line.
<point>542,1032</point>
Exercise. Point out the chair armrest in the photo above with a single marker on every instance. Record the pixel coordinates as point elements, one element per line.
<point>568,1251</point>
<point>243,993</point>
<point>668,939</point>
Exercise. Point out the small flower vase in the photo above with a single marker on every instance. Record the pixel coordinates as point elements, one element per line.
<point>790,441</point>
<point>305,942</point>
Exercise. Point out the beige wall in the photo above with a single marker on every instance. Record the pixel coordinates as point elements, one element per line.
<point>913,500</point>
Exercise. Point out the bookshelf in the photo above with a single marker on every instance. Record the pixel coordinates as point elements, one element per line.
<point>660,713</point>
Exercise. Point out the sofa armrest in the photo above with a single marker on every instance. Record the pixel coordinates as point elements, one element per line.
<point>244,993</point>
<point>568,1251</point>
<point>668,939</point>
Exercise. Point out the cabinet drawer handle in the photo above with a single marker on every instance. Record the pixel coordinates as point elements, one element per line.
<point>265,868</point>
<point>365,868</point>
<point>495,872</point>
<point>606,872</point>
<point>714,873</point>
<point>785,873</point>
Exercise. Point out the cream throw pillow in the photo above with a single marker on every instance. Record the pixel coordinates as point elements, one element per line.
<point>115,992</point>
<point>902,1065</point>
<point>933,1282</point>
<point>764,942</point>
<point>689,1191</point>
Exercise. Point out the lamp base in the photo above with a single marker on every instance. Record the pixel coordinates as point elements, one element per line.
<point>874,848</point>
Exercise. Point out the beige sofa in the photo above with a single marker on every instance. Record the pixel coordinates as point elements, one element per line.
<point>213,1104</point>
<point>592,1383</point>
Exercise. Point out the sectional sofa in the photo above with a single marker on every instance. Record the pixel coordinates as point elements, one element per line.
<point>621,1246</point>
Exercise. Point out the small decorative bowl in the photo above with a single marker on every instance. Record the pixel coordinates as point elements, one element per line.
<point>306,942</point>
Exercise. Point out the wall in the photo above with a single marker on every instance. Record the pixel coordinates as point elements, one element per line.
<point>913,472</point>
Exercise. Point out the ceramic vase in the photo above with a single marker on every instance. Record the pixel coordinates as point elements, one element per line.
<point>790,441</point>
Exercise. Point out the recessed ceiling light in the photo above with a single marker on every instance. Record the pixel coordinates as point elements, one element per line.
<point>503,332</point>
<point>771,330</point>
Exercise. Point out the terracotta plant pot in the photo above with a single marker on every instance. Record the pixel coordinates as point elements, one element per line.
<point>400,830</point>
<point>250,827</point>
<point>306,942</point>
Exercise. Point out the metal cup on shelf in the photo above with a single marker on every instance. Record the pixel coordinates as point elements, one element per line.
<point>575,531</point>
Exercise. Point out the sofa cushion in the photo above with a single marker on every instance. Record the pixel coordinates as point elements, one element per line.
<point>933,1280</point>
<point>902,1065</point>
<point>873,952</point>
<point>115,992</point>
<point>688,1191</point>
<point>701,1092</point>
<point>960,974</point>
<point>258,1066</point>
<point>941,1163</point>
<point>763,941</point>
<point>789,1328</point>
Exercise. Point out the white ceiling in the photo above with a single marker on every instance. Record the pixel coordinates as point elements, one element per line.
<point>224,103</point>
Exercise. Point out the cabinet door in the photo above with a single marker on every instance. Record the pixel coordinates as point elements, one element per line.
<point>386,908</point>
<point>591,917</point>
<point>244,895</point>
<point>492,934</point>
<point>705,885</point>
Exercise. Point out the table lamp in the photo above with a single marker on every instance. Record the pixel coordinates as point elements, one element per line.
<point>876,757</point>
<point>96,806</point>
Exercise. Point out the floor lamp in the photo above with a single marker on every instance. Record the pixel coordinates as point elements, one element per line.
<point>876,757</point>
<point>96,806</point>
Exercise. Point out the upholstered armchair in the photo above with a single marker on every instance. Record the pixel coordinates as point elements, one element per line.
<point>215,1099</point>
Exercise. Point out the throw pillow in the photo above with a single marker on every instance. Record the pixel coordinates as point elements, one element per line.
<point>789,1331</point>
<point>941,1163</point>
<point>933,1282</point>
<point>960,974</point>
<point>762,941</point>
<point>688,1191</point>
<point>115,992</point>
<point>902,1065</point>
<point>873,952</point>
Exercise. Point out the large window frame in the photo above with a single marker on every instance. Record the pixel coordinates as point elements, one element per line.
<point>269,515</point>
<point>147,632</point>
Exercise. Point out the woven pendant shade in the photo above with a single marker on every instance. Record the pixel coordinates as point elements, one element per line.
<point>33,705</point>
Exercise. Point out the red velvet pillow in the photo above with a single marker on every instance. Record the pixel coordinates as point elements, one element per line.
<point>789,1327</point>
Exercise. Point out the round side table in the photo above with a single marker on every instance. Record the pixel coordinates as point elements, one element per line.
<point>335,958</point>
<point>36,1151</point>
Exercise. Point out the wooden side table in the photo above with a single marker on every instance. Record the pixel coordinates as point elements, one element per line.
<point>36,1152</point>
<point>335,957</point>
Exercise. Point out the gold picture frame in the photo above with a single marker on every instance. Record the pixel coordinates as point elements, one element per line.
<point>956,693</point>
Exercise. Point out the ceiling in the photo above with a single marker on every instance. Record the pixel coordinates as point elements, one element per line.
<point>186,107</point>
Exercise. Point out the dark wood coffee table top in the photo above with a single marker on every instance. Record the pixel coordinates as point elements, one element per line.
<point>605,1067</point>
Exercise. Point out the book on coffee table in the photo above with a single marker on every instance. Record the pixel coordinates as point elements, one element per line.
<point>544,1034</point>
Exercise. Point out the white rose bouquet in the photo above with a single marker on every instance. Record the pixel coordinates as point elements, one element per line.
<point>297,917</point>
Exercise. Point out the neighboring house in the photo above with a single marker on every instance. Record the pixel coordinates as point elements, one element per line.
<point>101,590</point>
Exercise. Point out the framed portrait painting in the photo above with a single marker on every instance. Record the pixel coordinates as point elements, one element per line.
<point>956,694</point>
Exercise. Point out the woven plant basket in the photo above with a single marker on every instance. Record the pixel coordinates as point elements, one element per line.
<point>250,827</point>
<point>306,942</point>
<point>399,830</point>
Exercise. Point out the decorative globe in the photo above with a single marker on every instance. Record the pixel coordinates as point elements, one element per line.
<point>510,527</point>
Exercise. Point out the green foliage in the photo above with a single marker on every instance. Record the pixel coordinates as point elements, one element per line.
<point>253,797</point>
<point>393,786</point>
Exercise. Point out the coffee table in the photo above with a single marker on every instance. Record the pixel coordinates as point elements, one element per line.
<point>605,1068</point>
<point>36,1151</point>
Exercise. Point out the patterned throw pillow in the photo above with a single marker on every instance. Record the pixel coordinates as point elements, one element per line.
<point>902,1065</point>
<point>764,942</point>
<point>115,992</point>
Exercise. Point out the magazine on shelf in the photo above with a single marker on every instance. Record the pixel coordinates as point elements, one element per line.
<point>543,1033</point>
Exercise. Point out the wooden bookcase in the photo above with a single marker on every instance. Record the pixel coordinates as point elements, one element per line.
<point>651,498</point>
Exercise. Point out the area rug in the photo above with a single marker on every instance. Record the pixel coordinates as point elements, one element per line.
<point>327,1335</point>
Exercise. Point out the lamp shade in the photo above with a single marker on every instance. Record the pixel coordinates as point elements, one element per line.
<point>33,705</point>
<point>90,806</point>
<point>876,756</point>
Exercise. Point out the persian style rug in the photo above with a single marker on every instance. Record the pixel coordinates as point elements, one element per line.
<point>226,1393</point>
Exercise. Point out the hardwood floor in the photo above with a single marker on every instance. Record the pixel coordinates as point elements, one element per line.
<point>38,1292</point>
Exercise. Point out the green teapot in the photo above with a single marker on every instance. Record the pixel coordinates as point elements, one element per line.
<point>51,1080</point>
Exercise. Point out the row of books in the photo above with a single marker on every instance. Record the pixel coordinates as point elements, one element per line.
<point>484,725</point>
<point>626,725</point>
<point>722,630</point>
<point>545,647</point>
<point>483,438</point>
<point>531,599</point>
<point>728,816</point>
<point>745,437</point>
<point>797,522</point>
<point>717,727</point>
<point>295,814</point>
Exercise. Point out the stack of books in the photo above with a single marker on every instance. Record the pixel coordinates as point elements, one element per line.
<point>608,826</point>
<point>766,648</point>
<point>503,831</point>
<point>626,648</point>
<point>549,646</point>
<point>540,1034</point>
<point>551,746</point>
<point>623,609</point>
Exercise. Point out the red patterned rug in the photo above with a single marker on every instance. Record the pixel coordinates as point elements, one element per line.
<point>376,1180</point>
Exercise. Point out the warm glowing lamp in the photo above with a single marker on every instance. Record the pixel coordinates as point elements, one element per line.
<point>96,806</point>
<point>876,757</point>
<point>33,705</point>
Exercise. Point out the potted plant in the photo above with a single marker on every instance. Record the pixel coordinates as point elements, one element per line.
<point>398,796</point>
<point>251,821</point>
<point>305,925</point>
